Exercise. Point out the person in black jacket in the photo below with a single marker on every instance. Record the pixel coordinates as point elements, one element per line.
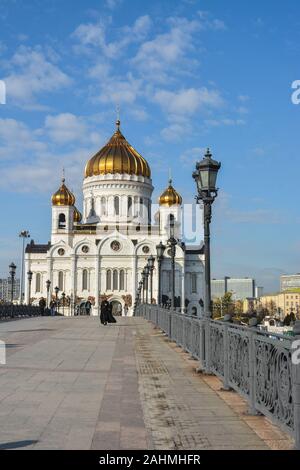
<point>104,310</point>
<point>110,317</point>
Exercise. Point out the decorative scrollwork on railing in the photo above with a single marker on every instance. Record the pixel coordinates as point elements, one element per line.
<point>195,339</point>
<point>273,381</point>
<point>239,361</point>
<point>217,349</point>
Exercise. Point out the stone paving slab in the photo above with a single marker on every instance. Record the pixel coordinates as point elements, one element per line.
<point>70,383</point>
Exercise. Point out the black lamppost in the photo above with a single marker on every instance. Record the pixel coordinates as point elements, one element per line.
<point>151,260</point>
<point>63,296</point>
<point>160,249</point>
<point>12,272</point>
<point>206,177</point>
<point>172,242</point>
<point>143,285</point>
<point>29,277</point>
<point>56,290</point>
<point>23,234</point>
<point>48,284</point>
<point>146,270</point>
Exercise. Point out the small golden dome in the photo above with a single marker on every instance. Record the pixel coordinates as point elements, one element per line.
<point>77,215</point>
<point>170,197</point>
<point>117,156</point>
<point>63,197</point>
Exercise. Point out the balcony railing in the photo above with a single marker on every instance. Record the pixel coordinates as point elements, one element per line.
<point>257,365</point>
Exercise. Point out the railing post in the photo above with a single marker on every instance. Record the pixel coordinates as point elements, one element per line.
<point>252,386</point>
<point>207,345</point>
<point>226,386</point>
<point>296,383</point>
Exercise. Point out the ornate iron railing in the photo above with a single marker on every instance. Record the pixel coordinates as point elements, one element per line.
<point>255,364</point>
<point>18,311</point>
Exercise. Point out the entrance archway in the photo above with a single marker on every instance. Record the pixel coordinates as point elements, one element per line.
<point>116,308</point>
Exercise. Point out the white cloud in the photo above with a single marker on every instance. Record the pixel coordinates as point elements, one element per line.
<point>32,73</point>
<point>154,57</point>
<point>65,127</point>
<point>16,140</point>
<point>93,36</point>
<point>190,156</point>
<point>113,4</point>
<point>188,101</point>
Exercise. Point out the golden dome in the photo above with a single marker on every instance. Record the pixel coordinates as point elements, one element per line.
<point>117,156</point>
<point>170,197</point>
<point>77,215</point>
<point>63,197</point>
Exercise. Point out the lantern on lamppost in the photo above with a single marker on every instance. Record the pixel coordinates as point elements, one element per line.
<point>205,177</point>
<point>151,261</point>
<point>147,271</point>
<point>29,277</point>
<point>160,249</point>
<point>48,284</point>
<point>63,296</point>
<point>12,272</point>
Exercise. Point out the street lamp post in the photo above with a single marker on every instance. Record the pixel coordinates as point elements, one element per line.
<point>205,176</point>
<point>56,290</point>
<point>63,296</point>
<point>12,272</point>
<point>23,234</point>
<point>29,277</point>
<point>160,248</point>
<point>151,260</point>
<point>48,284</point>
<point>144,284</point>
<point>146,269</point>
<point>172,242</point>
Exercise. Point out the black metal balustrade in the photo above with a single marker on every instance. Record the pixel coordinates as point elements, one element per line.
<point>262,367</point>
<point>8,311</point>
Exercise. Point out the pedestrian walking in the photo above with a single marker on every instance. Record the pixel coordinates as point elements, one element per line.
<point>104,309</point>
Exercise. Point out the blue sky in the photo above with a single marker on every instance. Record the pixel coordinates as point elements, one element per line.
<point>187,75</point>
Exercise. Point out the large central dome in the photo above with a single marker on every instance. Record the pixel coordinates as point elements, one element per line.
<point>117,156</point>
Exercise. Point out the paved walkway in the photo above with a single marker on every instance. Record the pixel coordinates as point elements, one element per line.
<point>70,383</point>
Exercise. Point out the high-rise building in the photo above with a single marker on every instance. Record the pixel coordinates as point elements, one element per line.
<point>240,288</point>
<point>289,281</point>
<point>5,289</point>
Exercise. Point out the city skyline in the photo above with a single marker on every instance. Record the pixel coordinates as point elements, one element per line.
<point>63,88</point>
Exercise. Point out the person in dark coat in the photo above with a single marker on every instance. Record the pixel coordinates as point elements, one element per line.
<point>104,311</point>
<point>110,317</point>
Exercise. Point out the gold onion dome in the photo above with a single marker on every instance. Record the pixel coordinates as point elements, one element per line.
<point>117,156</point>
<point>63,197</point>
<point>77,215</point>
<point>170,197</point>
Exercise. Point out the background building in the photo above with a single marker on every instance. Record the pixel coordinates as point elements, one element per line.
<point>289,281</point>
<point>282,303</point>
<point>240,288</point>
<point>5,289</point>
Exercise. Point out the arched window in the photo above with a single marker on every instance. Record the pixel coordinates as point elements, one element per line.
<point>108,279</point>
<point>194,283</point>
<point>136,206</point>
<point>117,205</point>
<point>122,280</point>
<point>84,279</point>
<point>171,224</point>
<point>115,280</point>
<point>61,280</point>
<point>129,207</point>
<point>38,282</point>
<point>61,221</point>
<point>149,211</point>
<point>103,206</point>
<point>141,207</point>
